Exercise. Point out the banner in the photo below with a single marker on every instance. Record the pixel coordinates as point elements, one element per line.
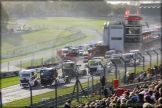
<point>127,12</point>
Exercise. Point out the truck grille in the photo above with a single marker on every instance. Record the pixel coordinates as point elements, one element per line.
<point>24,81</point>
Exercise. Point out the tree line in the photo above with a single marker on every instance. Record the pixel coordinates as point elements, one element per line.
<point>64,8</point>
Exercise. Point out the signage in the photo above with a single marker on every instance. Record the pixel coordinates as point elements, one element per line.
<point>133,18</point>
<point>127,12</point>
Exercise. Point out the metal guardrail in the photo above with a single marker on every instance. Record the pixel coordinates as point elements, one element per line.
<point>62,99</point>
<point>16,73</point>
<point>43,45</point>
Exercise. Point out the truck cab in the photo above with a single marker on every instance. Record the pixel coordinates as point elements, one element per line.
<point>75,51</point>
<point>136,52</point>
<point>29,75</point>
<point>85,59</point>
<point>101,59</point>
<point>65,51</point>
<point>95,64</point>
<point>47,76</point>
<point>128,57</point>
<point>109,53</point>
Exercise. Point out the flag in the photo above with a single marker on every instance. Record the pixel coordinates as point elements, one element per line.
<point>137,12</point>
<point>127,12</point>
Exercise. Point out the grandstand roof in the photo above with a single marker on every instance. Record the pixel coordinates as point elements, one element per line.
<point>150,5</point>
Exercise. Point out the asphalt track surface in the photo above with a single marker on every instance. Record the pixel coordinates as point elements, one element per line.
<point>15,92</point>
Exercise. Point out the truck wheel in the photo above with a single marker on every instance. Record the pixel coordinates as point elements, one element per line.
<point>35,83</point>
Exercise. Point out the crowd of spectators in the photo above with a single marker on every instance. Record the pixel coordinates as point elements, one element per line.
<point>144,96</point>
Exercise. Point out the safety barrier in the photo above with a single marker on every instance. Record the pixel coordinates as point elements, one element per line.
<point>43,45</point>
<point>38,67</point>
<point>62,99</point>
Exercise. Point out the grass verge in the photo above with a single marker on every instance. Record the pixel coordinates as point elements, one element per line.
<point>6,82</point>
<point>89,36</point>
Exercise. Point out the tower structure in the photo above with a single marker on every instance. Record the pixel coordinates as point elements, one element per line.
<point>133,32</point>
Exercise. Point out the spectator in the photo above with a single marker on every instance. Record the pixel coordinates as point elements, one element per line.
<point>141,76</point>
<point>140,101</point>
<point>103,81</point>
<point>160,101</point>
<point>68,104</point>
<point>147,105</point>
<point>152,72</point>
<point>156,97</point>
<point>105,92</point>
<point>123,105</point>
<point>130,104</point>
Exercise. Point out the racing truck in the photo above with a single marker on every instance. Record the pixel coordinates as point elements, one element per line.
<point>70,69</point>
<point>48,76</point>
<point>29,75</point>
<point>96,66</point>
<point>129,58</point>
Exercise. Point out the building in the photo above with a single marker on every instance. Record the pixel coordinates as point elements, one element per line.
<point>114,35</point>
<point>124,35</point>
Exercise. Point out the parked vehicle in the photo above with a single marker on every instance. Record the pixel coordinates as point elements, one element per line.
<point>29,75</point>
<point>65,51</point>
<point>109,53</point>
<point>128,57</point>
<point>75,51</point>
<point>96,65</point>
<point>85,59</point>
<point>116,56</point>
<point>81,52</point>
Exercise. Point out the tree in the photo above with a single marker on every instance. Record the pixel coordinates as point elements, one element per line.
<point>4,19</point>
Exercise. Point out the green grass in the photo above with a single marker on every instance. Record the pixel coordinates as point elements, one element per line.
<point>51,94</point>
<point>6,82</point>
<point>89,36</point>
<point>71,23</point>
<point>35,63</point>
<point>12,41</point>
<point>68,22</point>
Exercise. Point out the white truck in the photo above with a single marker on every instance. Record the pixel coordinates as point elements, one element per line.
<point>95,64</point>
<point>29,75</point>
<point>129,58</point>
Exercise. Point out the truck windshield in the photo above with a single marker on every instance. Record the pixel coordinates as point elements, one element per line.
<point>85,57</point>
<point>127,56</point>
<point>108,52</point>
<point>65,52</point>
<point>45,72</point>
<point>24,75</point>
<point>115,56</point>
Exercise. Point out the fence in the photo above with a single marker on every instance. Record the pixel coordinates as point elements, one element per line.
<point>48,63</point>
<point>42,45</point>
<point>62,99</point>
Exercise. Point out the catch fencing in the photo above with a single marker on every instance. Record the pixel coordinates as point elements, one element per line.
<point>51,103</point>
<point>54,61</point>
<point>21,51</point>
